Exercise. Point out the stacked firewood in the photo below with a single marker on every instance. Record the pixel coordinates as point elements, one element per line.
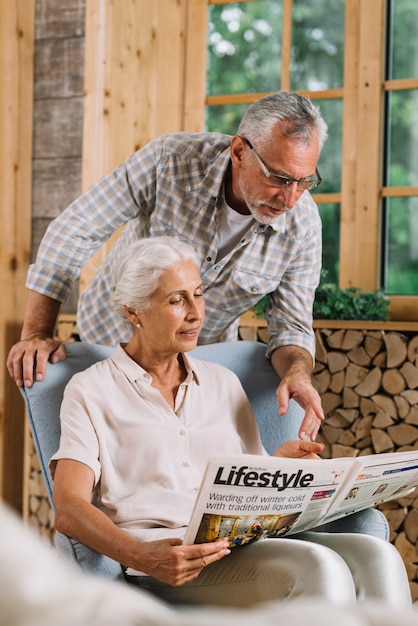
<point>368,384</point>
<point>368,381</point>
<point>37,510</point>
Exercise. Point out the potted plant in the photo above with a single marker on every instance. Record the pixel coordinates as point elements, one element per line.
<point>352,303</point>
<point>335,303</point>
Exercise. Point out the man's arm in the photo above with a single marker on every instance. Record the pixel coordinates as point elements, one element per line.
<point>27,359</point>
<point>294,366</point>
<point>70,239</point>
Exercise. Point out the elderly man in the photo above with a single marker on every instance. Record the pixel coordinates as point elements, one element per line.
<point>243,202</point>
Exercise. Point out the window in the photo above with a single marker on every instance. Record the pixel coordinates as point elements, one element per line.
<point>400,193</point>
<point>264,45</point>
<point>358,60</point>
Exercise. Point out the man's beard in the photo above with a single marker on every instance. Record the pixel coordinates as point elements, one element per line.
<point>261,217</point>
<point>257,212</point>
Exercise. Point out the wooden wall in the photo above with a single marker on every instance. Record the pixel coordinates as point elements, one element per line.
<point>16,45</point>
<point>109,76</point>
<point>145,76</point>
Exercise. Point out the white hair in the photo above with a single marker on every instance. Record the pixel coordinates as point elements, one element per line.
<point>140,267</point>
<point>296,114</point>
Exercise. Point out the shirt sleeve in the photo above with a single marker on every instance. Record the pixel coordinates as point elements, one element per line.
<point>78,440</point>
<point>128,192</point>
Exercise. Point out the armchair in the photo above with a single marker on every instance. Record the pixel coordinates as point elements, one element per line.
<point>245,358</point>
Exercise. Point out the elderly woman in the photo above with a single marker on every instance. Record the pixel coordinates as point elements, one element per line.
<point>137,430</point>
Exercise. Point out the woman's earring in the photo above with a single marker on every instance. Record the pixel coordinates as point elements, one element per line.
<point>138,325</point>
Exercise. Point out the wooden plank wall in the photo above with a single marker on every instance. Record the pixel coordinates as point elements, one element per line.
<point>16,85</point>
<point>361,174</point>
<point>142,65</point>
<point>144,76</point>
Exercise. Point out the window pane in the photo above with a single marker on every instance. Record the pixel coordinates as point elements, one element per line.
<point>401,270</point>
<point>224,118</point>
<point>402,138</point>
<point>330,216</point>
<point>244,47</point>
<point>317,44</point>
<point>403,45</point>
<point>330,160</point>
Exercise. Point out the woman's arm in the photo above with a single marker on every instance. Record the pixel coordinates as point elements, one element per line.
<point>166,560</point>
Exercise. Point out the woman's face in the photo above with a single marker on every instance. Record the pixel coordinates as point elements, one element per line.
<point>176,311</point>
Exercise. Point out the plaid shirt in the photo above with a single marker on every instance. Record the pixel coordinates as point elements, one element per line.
<point>174,186</point>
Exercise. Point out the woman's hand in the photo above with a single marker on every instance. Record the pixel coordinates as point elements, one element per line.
<point>171,562</point>
<point>299,449</point>
<point>167,560</point>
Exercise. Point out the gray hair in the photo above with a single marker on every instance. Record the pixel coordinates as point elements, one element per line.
<point>140,267</point>
<point>296,114</point>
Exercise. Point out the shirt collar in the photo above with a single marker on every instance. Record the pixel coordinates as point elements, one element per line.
<point>133,371</point>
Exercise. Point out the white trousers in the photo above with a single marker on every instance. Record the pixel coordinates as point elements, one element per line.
<point>40,588</point>
<point>338,568</point>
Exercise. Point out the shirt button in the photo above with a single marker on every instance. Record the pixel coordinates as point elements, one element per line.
<point>182,432</point>
<point>186,464</point>
<point>208,259</point>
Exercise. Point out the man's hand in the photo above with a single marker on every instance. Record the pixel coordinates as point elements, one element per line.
<point>27,359</point>
<point>294,366</point>
<point>303,392</point>
<point>300,449</point>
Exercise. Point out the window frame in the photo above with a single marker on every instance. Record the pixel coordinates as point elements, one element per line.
<point>363,95</point>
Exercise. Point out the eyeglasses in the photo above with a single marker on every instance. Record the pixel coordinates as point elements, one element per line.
<point>284,181</point>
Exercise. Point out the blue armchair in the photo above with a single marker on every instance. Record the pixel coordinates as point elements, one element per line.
<point>245,358</point>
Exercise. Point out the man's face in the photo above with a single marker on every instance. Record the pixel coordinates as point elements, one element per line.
<point>291,158</point>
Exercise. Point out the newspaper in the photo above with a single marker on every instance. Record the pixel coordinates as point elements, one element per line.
<point>250,497</point>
